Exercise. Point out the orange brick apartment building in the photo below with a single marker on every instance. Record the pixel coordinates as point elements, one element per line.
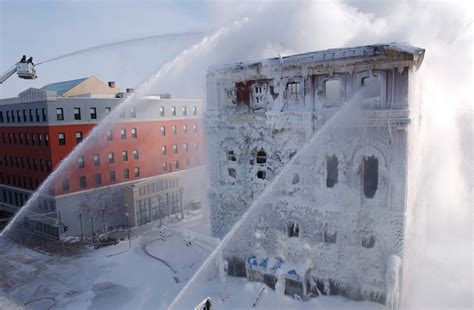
<point>40,127</point>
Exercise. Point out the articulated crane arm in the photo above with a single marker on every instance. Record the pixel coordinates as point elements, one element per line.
<point>9,73</point>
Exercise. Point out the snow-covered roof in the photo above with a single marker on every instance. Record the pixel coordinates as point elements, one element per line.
<point>389,51</point>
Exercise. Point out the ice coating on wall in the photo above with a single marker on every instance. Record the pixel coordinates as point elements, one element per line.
<point>338,211</point>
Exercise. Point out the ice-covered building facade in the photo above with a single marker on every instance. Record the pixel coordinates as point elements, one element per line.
<point>338,216</point>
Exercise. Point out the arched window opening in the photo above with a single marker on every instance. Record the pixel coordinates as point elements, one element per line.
<point>368,241</point>
<point>332,90</point>
<point>261,174</point>
<point>232,173</point>
<point>261,157</point>
<point>231,156</point>
<point>293,229</point>
<point>332,173</point>
<point>372,86</point>
<point>370,175</point>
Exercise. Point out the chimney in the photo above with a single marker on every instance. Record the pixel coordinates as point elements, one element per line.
<point>130,90</point>
<point>111,84</point>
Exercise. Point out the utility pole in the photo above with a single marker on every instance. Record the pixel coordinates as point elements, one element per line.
<point>61,232</point>
<point>128,232</point>
<point>92,227</point>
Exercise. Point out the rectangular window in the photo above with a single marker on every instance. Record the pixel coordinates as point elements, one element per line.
<point>25,118</point>
<point>194,110</point>
<point>123,133</point>
<point>126,174</point>
<point>80,161</point>
<point>77,114</point>
<point>98,179</point>
<point>37,115</point>
<point>65,185</point>
<point>175,148</point>
<point>184,111</point>
<point>41,164</point>
<point>48,166</point>
<point>109,135</point>
<point>293,88</point>
<point>1,117</point>
<point>173,111</point>
<point>195,144</point>
<point>124,156</point>
<point>112,177</point>
<point>108,110</point>
<point>46,139</point>
<point>13,116</point>
<point>78,137</point>
<point>135,154</point>
<point>162,111</point>
<point>176,164</point>
<point>163,150</point>
<point>40,139</point>
<point>195,127</point>
<point>134,133</point>
<point>18,115</point>
<point>61,138</point>
<point>133,113</point>
<point>59,114</point>
<point>165,167</point>
<point>185,147</point>
<point>136,172</point>
<point>185,129</point>
<point>93,113</point>
<point>111,158</point>
<point>173,129</point>
<point>21,138</point>
<point>96,158</point>
<point>43,111</point>
<point>82,182</point>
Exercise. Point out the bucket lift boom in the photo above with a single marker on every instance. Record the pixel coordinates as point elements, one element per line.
<point>25,70</point>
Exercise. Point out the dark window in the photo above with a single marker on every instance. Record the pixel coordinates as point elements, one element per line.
<point>112,176</point>
<point>25,118</point>
<point>261,157</point>
<point>98,179</point>
<point>18,115</point>
<point>176,164</point>
<point>33,139</point>
<point>134,133</point>
<point>93,113</point>
<point>46,139</point>
<point>80,161</point>
<point>173,111</point>
<point>368,241</point>
<point>173,129</point>
<point>136,172</point>
<point>78,137</point>
<point>111,158</point>
<point>293,229</point>
<point>133,113</point>
<point>135,154</point>
<point>43,111</point>
<point>37,115</point>
<point>123,133</point>
<point>82,181</point>
<point>163,150</point>
<point>330,236</point>
<point>40,139</point>
<point>108,110</point>
<point>293,88</point>
<point>48,165</point>
<point>61,138</point>
<point>331,170</point>
<point>194,110</point>
<point>96,158</point>
<point>77,114</point>
<point>66,185</point>
<point>1,117</point>
<point>231,156</point>
<point>175,148</point>
<point>126,174</point>
<point>184,111</point>
<point>31,115</point>
<point>370,176</point>
<point>59,114</point>
<point>162,111</point>
<point>124,156</point>
<point>232,173</point>
<point>261,174</point>
<point>163,130</point>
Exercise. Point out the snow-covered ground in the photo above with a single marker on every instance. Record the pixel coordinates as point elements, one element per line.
<point>149,275</point>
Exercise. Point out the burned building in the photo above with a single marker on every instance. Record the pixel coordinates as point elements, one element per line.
<point>337,216</point>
